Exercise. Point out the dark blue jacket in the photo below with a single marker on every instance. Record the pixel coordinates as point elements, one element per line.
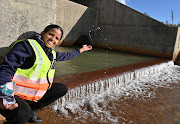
<point>23,56</point>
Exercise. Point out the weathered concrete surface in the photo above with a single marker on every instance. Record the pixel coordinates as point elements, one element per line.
<point>129,30</point>
<point>20,16</point>
<point>75,19</point>
<point>68,14</point>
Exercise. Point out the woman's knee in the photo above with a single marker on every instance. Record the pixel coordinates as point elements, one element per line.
<point>24,116</point>
<point>65,88</point>
<point>61,87</point>
<point>23,111</point>
<point>19,115</point>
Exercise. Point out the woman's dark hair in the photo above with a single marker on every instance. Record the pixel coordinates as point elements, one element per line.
<point>51,26</point>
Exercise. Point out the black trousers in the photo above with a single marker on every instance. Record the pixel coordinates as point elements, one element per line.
<point>22,113</point>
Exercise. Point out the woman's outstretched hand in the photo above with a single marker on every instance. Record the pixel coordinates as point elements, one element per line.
<point>85,48</point>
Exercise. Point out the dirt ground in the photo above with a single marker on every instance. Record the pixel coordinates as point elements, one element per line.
<point>48,116</point>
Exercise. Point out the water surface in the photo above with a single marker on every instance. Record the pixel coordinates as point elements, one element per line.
<point>96,59</point>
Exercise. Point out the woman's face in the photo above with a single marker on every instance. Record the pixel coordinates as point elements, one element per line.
<point>52,37</point>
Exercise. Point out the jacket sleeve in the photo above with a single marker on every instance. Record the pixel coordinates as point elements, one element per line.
<point>61,56</point>
<point>13,60</point>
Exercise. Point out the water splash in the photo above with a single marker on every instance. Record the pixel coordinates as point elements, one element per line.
<point>93,100</point>
<point>93,29</point>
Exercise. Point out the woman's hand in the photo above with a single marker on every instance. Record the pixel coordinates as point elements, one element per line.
<point>85,48</point>
<point>8,106</point>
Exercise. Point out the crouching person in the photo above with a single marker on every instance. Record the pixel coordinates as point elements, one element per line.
<point>26,76</point>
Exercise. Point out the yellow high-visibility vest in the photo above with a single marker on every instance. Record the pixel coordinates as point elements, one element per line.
<point>32,83</point>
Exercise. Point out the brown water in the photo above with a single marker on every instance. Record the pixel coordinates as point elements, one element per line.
<point>148,96</point>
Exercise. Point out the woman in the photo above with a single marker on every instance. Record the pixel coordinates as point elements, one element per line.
<point>31,65</point>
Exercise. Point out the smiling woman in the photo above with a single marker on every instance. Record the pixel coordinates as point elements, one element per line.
<point>30,65</point>
<point>52,37</point>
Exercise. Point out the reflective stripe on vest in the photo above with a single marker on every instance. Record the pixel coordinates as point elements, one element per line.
<point>32,84</point>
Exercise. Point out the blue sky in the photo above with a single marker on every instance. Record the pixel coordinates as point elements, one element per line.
<point>157,9</point>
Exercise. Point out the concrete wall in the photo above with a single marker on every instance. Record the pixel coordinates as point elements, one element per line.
<point>122,28</point>
<point>20,16</point>
<point>176,54</point>
<point>129,30</point>
<point>68,14</point>
<point>75,20</point>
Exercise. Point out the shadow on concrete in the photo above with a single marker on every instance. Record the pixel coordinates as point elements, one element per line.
<point>83,39</point>
<point>5,50</point>
<point>81,29</point>
<point>27,35</point>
